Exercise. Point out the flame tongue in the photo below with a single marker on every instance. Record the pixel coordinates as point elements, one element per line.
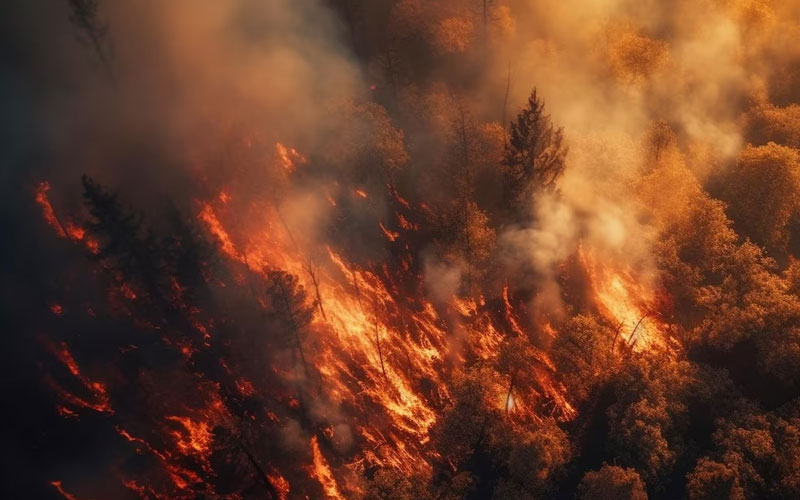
<point>624,300</point>
<point>322,472</point>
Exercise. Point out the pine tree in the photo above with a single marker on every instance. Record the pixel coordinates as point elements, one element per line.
<point>534,156</point>
<point>125,247</point>
<point>290,310</point>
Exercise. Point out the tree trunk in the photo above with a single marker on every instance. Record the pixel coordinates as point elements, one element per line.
<point>271,489</point>
<point>633,333</point>
<point>380,352</point>
<point>295,330</point>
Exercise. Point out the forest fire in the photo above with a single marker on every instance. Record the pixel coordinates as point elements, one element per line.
<point>402,250</point>
<point>626,301</point>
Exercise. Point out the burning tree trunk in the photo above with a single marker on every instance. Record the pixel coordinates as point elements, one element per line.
<point>262,474</point>
<point>313,274</point>
<point>380,352</point>
<point>309,267</point>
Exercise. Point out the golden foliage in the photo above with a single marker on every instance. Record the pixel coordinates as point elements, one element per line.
<point>454,35</point>
<point>633,57</point>
<point>502,26</point>
<point>767,123</point>
<point>763,191</point>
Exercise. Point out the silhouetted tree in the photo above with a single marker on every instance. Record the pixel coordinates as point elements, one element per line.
<point>124,245</point>
<point>290,310</point>
<point>84,14</point>
<point>534,156</point>
<point>191,259</point>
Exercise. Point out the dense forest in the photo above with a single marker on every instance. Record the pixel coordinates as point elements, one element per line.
<point>400,249</point>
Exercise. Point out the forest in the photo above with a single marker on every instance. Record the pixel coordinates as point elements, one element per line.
<point>400,249</point>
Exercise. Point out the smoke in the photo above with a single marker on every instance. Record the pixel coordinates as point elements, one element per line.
<point>190,80</point>
<point>195,80</point>
<point>608,72</point>
<point>189,87</point>
<point>442,281</point>
<point>194,83</point>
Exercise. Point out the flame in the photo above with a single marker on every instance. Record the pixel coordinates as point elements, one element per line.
<point>69,230</point>
<point>47,209</point>
<point>208,216</point>
<point>75,232</point>
<point>390,235</point>
<point>181,477</point>
<point>281,484</point>
<point>99,396</point>
<point>322,472</point>
<point>60,489</point>
<point>510,403</point>
<point>358,338</point>
<point>512,320</point>
<point>366,353</point>
<point>194,438</point>
<point>376,348</point>
<point>289,157</point>
<point>625,299</point>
